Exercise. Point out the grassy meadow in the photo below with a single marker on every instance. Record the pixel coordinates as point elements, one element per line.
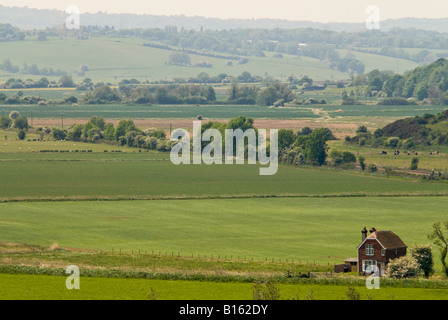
<point>321,230</point>
<point>29,287</point>
<point>128,58</point>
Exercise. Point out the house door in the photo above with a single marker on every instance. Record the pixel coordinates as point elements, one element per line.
<point>382,269</point>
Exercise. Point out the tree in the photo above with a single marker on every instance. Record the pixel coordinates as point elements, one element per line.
<point>362,129</point>
<point>14,114</point>
<point>123,127</point>
<point>315,146</point>
<point>439,239</point>
<point>414,163</point>
<point>98,122</point>
<point>362,163</point>
<point>285,138</point>
<point>5,122</point>
<point>423,255</point>
<point>109,132</point>
<point>59,134</point>
<point>74,133</point>
<point>66,81</point>
<point>22,134</point>
<point>210,94</point>
<point>21,123</point>
<point>180,58</point>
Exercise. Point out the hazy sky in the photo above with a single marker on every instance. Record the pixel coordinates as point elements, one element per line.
<point>310,10</point>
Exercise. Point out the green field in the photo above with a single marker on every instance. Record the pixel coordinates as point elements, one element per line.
<point>42,287</point>
<point>146,176</point>
<point>117,111</point>
<point>324,230</point>
<point>375,61</point>
<point>117,59</point>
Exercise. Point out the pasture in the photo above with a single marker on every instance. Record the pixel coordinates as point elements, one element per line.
<point>313,230</point>
<point>43,287</point>
<point>113,60</point>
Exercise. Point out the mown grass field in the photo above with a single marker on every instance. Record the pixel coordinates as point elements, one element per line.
<point>321,230</point>
<point>42,287</point>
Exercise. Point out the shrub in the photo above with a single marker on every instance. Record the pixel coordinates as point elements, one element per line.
<point>373,168</point>
<point>14,114</point>
<point>266,291</point>
<point>423,255</point>
<point>362,163</point>
<point>22,134</point>
<point>352,294</point>
<point>403,267</point>
<point>5,122</point>
<point>414,163</point>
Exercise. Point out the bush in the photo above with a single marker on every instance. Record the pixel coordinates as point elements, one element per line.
<point>414,163</point>
<point>373,168</point>
<point>266,291</point>
<point>14,114</point>
<point>5,122</point>
<point>423,255</point>
<point>362,163</point>
<point>22,134</point>
<point>403,267</point>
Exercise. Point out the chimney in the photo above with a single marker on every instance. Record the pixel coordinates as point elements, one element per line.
<point>372,230</point>
<point>364,234</point>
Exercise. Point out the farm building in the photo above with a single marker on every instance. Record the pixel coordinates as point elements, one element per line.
<point>377,248</point>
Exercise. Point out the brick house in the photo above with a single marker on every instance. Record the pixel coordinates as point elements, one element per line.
<point>378,248</point>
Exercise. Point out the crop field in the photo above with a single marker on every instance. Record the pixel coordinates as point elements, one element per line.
<point>144,176</point>
<point>316,112</point>
<point>110,111</point>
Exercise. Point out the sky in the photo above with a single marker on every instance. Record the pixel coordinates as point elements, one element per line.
<point>309,10</point>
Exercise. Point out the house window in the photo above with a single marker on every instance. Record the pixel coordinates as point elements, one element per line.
<point>369,249</point>
<point>367,263</point>
<point>383,252</point>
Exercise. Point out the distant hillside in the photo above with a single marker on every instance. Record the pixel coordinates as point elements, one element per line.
<point>28,18</point>
<point>427,130</point>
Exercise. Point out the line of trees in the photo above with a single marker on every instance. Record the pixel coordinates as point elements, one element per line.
<point>427,83</point>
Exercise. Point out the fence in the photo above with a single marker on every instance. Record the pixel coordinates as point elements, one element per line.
<point>221,257</point>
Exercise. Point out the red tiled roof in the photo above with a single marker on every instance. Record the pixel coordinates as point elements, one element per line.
<point>388,239</point>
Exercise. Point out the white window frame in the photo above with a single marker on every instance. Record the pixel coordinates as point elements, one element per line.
<point>366,263</point>
<point>370,250</point>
